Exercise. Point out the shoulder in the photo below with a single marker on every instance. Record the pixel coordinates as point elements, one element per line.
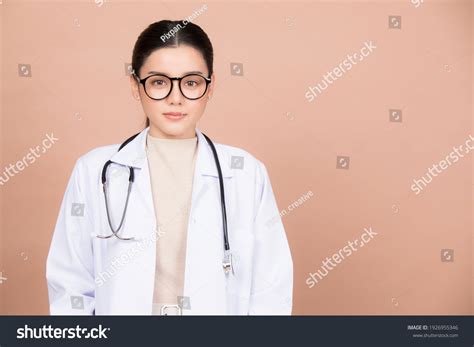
<point>241,160</point>
<point>249,174</point>
<point>99,153</point>
<point>96,157</point>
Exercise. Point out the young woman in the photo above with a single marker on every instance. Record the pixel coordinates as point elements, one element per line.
<point>169,222</point>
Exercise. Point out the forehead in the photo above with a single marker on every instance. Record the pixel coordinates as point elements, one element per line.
<point>174,61</point>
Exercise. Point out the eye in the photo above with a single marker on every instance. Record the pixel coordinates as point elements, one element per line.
<point>158,82</point>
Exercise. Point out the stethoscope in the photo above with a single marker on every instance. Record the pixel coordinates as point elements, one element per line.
<point>227,262</point>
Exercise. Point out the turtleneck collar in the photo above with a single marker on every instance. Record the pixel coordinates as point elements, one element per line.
<point>156,144</point>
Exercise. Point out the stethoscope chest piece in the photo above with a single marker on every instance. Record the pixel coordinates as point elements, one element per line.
<point>227,263</point>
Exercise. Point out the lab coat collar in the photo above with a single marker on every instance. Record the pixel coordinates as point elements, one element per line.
<point>134,154</point>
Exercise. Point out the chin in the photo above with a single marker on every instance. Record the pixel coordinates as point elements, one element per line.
<point>175,130</point>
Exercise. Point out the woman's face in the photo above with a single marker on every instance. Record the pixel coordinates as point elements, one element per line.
<point>173,62</point>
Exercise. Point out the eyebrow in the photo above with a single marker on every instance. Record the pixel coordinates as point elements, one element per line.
<point>186,73</point>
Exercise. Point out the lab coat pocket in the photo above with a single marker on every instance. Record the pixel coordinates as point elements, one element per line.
<point>117,261</point>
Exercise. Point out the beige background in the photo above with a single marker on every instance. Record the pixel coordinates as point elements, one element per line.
<point>79,91</point>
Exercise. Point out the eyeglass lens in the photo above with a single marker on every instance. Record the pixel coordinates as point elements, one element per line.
<point>192,86</point>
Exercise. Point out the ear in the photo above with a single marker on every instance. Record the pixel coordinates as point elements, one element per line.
<point>134,87</point>
<point>212,85</point>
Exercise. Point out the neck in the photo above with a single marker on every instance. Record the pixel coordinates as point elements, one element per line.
<point>156,132</point>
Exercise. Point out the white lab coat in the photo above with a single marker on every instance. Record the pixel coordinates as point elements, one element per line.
<point>87,275</point>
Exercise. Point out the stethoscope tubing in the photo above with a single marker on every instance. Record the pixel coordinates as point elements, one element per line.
<point>132,179</point>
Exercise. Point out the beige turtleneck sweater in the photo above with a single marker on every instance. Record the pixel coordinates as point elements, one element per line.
<point>171,163</point>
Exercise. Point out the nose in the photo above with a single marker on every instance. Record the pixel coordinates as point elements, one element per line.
<point>175,97</point>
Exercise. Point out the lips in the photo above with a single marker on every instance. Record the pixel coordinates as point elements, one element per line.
<point>174,115</point>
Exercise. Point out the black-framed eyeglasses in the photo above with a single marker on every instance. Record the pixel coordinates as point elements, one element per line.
<point>158,86</point>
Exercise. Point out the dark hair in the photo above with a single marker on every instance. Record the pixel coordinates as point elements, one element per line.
<point>168,33</point>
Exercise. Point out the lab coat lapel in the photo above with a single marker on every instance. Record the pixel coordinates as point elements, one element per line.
<point>204,275</point>
<point>134,155</point>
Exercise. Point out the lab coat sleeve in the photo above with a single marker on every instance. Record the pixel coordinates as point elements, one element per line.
<point>69,266</point>
<point>272,277</point>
